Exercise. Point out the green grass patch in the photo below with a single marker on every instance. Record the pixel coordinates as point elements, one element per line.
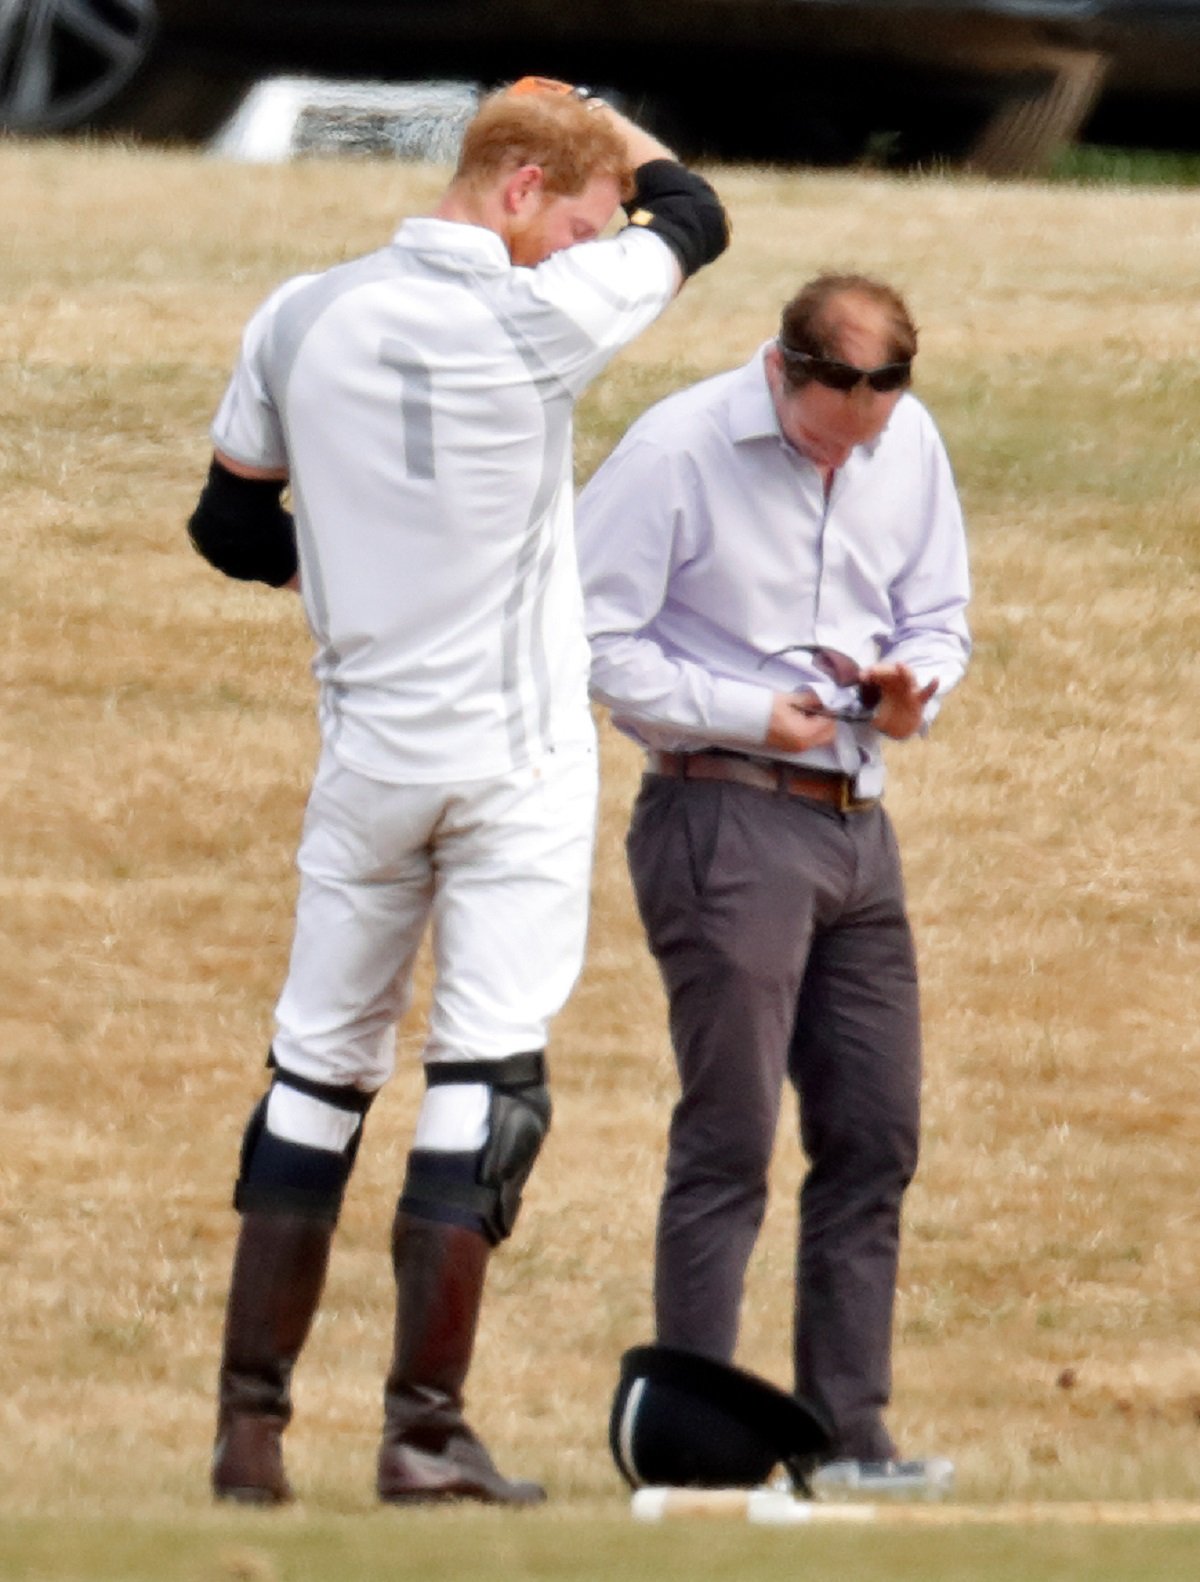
<point>482,1546</point>
<point>1092,163</point>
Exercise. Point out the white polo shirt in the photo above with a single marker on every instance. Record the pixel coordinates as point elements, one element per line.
<point>421,399</point>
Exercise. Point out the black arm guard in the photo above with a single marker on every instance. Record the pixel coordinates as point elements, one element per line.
<point>680,206</point>
<point>240,527</point>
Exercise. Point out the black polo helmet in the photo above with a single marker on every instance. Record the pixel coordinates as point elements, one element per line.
<point>685,1421</point>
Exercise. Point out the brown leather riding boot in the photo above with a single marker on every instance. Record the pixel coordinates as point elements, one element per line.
<point>429,1453</point>
<point>278,1273</point>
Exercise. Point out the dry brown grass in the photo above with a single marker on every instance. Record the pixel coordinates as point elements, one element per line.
<point>158,737</point>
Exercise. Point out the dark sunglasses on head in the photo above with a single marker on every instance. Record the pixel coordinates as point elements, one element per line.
<point>845,377</point>
<point>846,672</point>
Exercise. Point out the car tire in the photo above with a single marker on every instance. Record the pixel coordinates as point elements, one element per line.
<point>104,65</point>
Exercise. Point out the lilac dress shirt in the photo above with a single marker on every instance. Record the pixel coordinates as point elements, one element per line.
<point>707,546</point>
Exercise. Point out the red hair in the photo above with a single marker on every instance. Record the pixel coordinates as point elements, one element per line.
<point>569,142</point>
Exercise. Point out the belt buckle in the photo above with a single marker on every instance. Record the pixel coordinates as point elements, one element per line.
<point>851,802</point>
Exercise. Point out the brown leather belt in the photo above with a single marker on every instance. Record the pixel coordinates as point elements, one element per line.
<point>833,789</point>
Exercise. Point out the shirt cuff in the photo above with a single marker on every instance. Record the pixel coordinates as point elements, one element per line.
<point>742,710</point>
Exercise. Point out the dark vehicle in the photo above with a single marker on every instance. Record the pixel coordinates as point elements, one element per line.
<point>996,84</point>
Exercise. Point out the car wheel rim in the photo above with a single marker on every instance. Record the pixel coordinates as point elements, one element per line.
<point>61,61</point>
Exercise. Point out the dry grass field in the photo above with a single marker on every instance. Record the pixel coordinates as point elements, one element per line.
<point>158,735</point>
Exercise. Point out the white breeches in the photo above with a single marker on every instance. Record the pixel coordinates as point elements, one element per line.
<point>501,867</point>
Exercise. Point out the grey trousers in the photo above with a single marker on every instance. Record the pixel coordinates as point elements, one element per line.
<point>780,930</point>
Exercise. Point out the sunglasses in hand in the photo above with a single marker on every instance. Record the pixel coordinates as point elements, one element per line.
<point>845,672</point>
<point>845,377</point>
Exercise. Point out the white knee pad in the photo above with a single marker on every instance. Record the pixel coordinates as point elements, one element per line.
<point>300,1118</point>
<point>477,1142</point>
<point>299,1147</point>
<point>454,1117</point>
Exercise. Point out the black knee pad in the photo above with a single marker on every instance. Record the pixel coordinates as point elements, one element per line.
<point>483,1189</point>
<point>286,1177</point>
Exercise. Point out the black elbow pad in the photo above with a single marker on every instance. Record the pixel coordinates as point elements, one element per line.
<point>240,527</point>
<point>681,207</point>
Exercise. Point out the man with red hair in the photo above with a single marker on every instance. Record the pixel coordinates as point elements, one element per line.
<point>418,401</point>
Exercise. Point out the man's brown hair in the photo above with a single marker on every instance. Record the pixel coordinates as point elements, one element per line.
<point>813,321</point>
<point>569,142</point>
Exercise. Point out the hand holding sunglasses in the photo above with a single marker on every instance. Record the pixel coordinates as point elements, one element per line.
<point>888,696</point>
<point>844,672</point>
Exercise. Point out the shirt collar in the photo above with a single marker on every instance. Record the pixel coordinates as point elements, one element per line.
<point>751,409</point>
<point>474,244</point>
